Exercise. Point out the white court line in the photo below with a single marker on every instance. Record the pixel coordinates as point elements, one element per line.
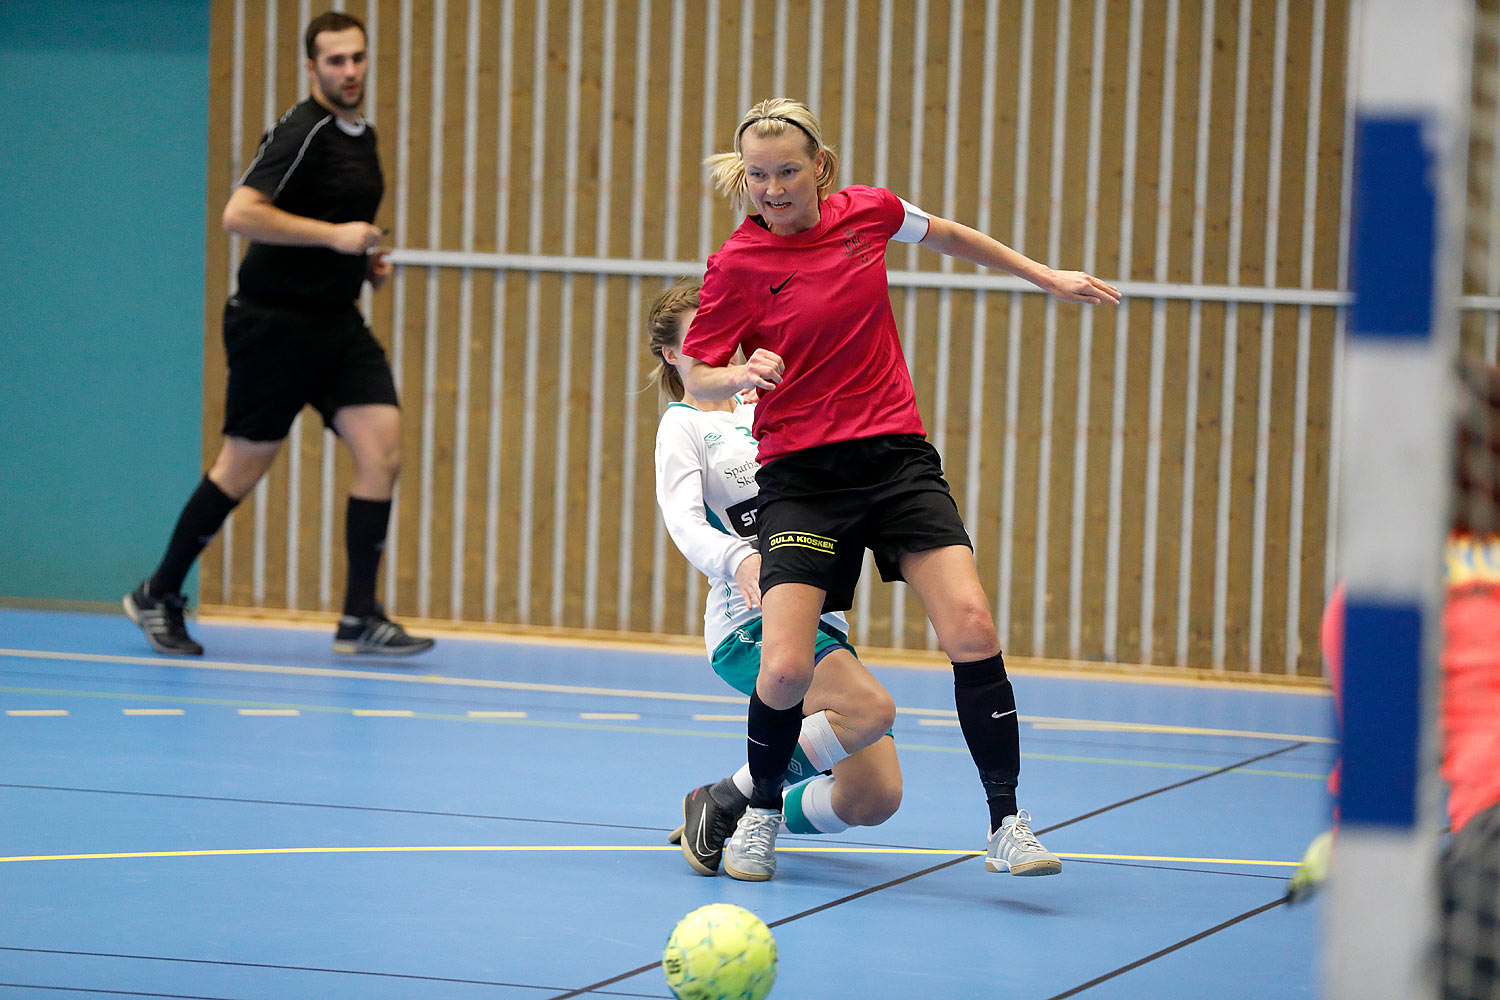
<point>609,715</point>
<point>27,713</point>
<point>477,714</point>
<point>269,711</point>
<point>153,711</point>
<point>477,682</point>
<point>718,718</point>
<point>384,713</point>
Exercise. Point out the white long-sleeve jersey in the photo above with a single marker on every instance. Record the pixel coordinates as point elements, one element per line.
<point>705,487</point>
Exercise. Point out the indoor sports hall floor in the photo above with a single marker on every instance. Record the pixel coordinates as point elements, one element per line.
<point>490,820</point>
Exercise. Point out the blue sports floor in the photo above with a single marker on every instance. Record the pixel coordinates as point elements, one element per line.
<point>273,821</point>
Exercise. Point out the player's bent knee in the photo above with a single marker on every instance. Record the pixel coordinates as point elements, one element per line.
<point>876,714</point>
<point>785,681</point>
<point>875,805</point>
<point>973,636</point>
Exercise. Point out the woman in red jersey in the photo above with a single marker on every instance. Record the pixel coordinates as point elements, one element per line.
<point>801,288</point>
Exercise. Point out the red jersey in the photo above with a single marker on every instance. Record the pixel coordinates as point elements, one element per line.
<point>1471,677</point>
<point>819,299</point>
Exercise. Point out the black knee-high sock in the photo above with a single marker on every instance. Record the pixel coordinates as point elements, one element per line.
<point>987,715</point>
<point>201,518</point>
<point>365,523</point>
<point>772,738</point>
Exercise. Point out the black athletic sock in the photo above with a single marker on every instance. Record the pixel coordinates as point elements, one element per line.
<point>201,518</point>
<point>365,523</point>
<point>987,715</point>
<point>772,737</point>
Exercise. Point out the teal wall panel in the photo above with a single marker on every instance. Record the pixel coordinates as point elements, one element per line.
<point>102,190</point>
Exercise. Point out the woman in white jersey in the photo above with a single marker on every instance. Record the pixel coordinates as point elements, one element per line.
<point>800,288</point>
<point>705,486</point>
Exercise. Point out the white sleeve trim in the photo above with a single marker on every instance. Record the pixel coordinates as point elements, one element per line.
<point>914,226</point>
<point>305,143</point>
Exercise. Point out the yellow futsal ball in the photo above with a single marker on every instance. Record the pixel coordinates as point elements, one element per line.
<point>720,952</point>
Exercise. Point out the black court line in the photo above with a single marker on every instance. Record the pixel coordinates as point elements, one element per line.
<point>1174,868</point>
<point>280,968</point>
<point>328,805</point>
<point>1169,949</point>
<point>1178,784</point>
<point>113,993</point>
<point>597,987</point>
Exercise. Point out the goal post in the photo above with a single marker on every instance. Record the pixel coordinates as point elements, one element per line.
<point>1411,101</point>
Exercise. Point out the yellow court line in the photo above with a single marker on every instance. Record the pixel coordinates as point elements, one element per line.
<point>596,849</point>
<point>487,683</point>
<point>27,713</point>
<point>1193,861</point>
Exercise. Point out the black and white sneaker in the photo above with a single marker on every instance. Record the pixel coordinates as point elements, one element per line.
<point>705,827</point>
<point>375,633</point>
<point>161,618</point>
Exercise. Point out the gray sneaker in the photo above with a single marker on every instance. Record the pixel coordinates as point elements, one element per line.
<point>750,854</point>
<point>1014,848</point>
<point>375,633</point>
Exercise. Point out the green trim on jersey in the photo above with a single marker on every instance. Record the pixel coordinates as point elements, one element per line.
<point>714,520</point>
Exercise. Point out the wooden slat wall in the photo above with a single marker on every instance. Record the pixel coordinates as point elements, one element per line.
<point>565,128</point>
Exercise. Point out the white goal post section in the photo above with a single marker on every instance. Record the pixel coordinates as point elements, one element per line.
<point>1412,95</point>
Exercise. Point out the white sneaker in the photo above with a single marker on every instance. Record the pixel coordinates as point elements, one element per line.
<point>750,853</point>
<point>1014,848</point>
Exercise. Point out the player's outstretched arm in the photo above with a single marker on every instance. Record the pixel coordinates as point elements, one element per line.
<point>716,382</point>
<point>249,213</point>
<point>958,240</point>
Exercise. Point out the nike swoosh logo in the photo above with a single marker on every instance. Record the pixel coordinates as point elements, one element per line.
<point>698,838</point>
<point>1001,715</point>
<point>776,289</point>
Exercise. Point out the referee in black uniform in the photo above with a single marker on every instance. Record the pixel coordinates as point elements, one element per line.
<point>294,335</point>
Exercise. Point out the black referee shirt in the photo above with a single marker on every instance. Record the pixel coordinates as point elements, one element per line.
<point>312,164</point>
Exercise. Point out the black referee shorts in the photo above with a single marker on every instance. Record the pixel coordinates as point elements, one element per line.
<point>282,358</point>
<point>820,508</point>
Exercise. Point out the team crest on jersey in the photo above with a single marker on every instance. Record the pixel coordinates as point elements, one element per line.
<point>855,245</point>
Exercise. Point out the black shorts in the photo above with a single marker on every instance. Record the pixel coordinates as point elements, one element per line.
<point>820,508</point>
<point>282,358</point>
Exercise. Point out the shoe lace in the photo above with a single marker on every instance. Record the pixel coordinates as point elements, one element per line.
<point>1020,832</point>
<point>759,837</point>
<point>721,826</point>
